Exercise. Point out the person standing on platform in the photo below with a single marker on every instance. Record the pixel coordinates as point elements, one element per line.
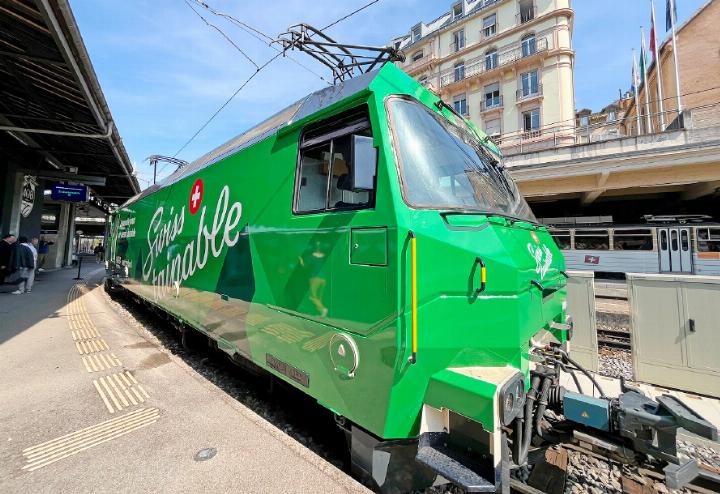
<point>22,260</point>
<point>43,251</point>
<point>6,247</point>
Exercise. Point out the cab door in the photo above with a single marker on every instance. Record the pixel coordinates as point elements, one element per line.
<point>337,185</point>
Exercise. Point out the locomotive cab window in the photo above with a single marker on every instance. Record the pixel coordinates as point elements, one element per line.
<point>337,165</point>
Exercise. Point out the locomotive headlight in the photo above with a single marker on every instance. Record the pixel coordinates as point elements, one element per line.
<point>512,398</point>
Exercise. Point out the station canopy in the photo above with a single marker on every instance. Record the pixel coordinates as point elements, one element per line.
<point>54,120</point>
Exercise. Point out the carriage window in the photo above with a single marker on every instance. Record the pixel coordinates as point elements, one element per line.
<point>592,240</point>
<point>640,239</point>
<point>663,240</point>
<point>562,238</point>
<point>684,242</point>
<point>673,240</point>
<point>326,164</point>
<point>708,239</point>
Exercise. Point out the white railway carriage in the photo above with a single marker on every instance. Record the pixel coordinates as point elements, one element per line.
<point>663,248</point>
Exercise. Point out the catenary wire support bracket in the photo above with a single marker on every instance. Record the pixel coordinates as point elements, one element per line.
<point>344,60</point>
<point>156,158</point>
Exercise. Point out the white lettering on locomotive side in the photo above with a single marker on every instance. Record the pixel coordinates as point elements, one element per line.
<point>537,253</point>
<point>184,261</point>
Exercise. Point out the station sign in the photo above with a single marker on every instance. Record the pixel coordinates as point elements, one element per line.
<point>70,193</point>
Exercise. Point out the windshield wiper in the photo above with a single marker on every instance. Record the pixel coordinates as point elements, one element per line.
<point>490,214</point>
<point>440,104</point>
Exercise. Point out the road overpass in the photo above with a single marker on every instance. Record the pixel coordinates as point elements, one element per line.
<point>679,166</point>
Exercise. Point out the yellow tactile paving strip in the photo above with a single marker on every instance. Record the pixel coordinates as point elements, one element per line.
<point>101,362</point>
<point>118,390</point>
<point>56,449</point>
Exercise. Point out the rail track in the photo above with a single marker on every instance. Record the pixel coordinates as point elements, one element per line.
<point>614,338</point>
<point>557,473</point>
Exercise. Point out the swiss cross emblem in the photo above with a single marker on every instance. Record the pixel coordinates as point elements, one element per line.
<point>592,259</point>
<point>196,195</point>
<point>535,237</point>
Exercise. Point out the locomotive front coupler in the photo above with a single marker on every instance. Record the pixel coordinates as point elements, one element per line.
<point>645,425</point>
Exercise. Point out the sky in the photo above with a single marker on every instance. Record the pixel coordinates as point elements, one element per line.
<point>164,72</point>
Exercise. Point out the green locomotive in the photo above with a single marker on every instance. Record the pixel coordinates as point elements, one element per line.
<point>366,246</point>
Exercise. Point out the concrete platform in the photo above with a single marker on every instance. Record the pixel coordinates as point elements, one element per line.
<point>606,288</point>
<point>90,405</point>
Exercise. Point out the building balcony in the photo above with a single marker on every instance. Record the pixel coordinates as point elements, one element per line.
<point>507,55</point>
<point>489,105</point>
<point>529,94</point>
<point>518,51</point>
<point>414,66</point>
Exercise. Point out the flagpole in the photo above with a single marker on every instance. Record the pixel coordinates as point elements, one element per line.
<point>646,82</point>
<point>636,83</point>
<point>675,56</point>
<point>658,70</point>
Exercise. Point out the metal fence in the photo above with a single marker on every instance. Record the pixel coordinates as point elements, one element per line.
<point>569,134</point>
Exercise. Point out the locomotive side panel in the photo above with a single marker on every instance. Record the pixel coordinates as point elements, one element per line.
<point>223,251</point>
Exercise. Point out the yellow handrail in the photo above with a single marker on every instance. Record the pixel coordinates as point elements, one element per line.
<point>413,296</point>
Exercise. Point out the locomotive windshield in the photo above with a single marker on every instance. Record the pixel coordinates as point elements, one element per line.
<point>445,166</point>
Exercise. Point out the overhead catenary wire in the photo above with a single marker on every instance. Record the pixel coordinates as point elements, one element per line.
<point>345,17</point>
<point>259,35</point>
<point>222,33</point>
<point>222,107</point>
<point>258,70</point>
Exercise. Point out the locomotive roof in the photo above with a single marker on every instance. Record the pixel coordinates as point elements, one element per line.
<point>302,108</point>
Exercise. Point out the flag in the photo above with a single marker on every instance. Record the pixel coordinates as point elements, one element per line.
<point>670,14</point>
<point>643,59</point>
<point>652,30</point>
<point>635,77</point>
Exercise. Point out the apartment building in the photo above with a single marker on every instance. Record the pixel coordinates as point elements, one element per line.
<point>506,64</point>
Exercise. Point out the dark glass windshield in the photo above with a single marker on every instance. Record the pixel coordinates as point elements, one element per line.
<point>445,166</point>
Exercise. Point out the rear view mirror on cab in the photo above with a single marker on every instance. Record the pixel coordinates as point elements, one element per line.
<point>364,163</point>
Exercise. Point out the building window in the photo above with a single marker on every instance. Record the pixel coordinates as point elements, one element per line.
<point>491,59</point>
<point>423,80</point>
<point>527,11</point>
<point>460,104</point>
<point>611,117</point>
<point>417,55</point>
<point>457,10</point>
<point>492,96</point>
<point>531,120</point>
<point>584,121</point>
<point>529,84</point>
<point>489,25</point>
<point>458,40</point>
<point>529,45</point>
<point>492,127</point>
<point>416,33</point>
<point>459,71</point>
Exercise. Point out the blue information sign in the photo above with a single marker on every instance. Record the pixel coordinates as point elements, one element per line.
<point>72,193</point>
